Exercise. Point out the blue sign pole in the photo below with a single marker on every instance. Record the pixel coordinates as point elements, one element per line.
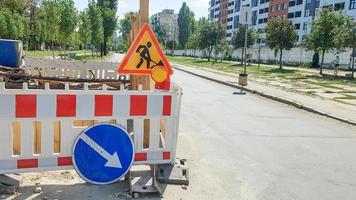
<point>103,154</point>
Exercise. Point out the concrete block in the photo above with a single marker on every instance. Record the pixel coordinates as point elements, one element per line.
<point>177,174</point>
<point>9,183</point>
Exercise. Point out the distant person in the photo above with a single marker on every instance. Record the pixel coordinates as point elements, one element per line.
<point>336,65</point>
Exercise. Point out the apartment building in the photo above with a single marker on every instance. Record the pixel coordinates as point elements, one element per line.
<point>300,12</point>
<point>168,19</point>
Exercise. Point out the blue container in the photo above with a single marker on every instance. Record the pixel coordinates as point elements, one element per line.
<point>11,53</point>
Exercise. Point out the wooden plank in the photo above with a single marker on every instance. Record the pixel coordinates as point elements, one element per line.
<point>37,137</point>
<point>57,137</point>
<point>16,135</point>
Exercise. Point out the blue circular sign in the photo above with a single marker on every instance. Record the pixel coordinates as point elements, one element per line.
<point>103,154</point>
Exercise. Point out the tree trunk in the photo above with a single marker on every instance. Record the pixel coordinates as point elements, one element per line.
<point>53,49</point>
<point>322,62</point>
<point>209,56</point>
<point>65,52</point>
<point>242,55</point>
<point>280,59</point>
<point>105,45</point>
<point>92,51</point>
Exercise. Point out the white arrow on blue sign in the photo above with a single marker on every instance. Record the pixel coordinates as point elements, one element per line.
<point>103,154</point>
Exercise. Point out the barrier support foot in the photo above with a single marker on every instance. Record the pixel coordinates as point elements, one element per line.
<point>9,183</point>
<point>177,174</point>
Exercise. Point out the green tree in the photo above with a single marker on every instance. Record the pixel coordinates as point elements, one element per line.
<point>210,35</point>
<point>108,10</point>
<point>238,39</point>
<point>12,25</point>
<point>171,44</point>
<point>49,16</point>
<point>96,24</point>
<point>281,35</point>
<point>193,42</point>
<point>161,33</point>
<point>323,33</point>
<point>84,29</point>
<point>67,21</point>
<point>184,24</point>
<point>125,28</point>
<point>345,37</point>
<point>18,6</point>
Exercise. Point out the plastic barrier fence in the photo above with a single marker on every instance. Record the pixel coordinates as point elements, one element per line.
<point>40,126</point>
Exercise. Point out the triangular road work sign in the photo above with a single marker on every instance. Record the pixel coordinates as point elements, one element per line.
<point>145,56</point>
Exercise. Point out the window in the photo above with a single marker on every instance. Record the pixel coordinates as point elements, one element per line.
<point>299,2</point>
<point>297,26</point>
<point>229,19</point>
<point>285,6</point>
<point>230,11</point>
<point>290,15</point>
<point>265,20</point>
<point>236,21</point>
<point>352,4</point>
<point>266,10</point>
<point>339,6</point>
<point>306,13</point>
<point>229,27</point>
<point>228,35</point>
<point>297,38</point>
<point>291,3</point>
<point>298,14</point>
<point>260,21</point>
<point>254,3</point>
<point>260,11</point>
<point>305,26</point>
<point>278,6</point>
<point>273,8</point>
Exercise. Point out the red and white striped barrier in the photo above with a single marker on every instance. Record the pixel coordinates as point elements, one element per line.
<point>48,107</point>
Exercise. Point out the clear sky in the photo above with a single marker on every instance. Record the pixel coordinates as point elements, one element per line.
<point>199,7</point>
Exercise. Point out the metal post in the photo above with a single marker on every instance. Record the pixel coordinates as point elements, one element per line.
<point>245,45</point>
<point>353,68</point>
<point>353,55</point>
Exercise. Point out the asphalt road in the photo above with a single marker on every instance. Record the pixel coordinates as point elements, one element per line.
<point>246,147</point>
<point>249,147</point>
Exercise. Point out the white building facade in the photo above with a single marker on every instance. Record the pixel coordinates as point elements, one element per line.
<point>300,12</point>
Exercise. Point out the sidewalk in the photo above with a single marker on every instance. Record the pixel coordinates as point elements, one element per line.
<point>339,111</point>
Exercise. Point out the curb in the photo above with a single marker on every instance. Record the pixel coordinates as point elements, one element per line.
<point>272,97</point>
